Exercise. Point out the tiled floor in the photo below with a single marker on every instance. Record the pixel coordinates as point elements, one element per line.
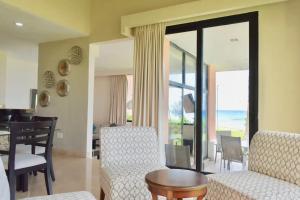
<point>72,174</point>
<point>214,167</point>
<point>77,174</point>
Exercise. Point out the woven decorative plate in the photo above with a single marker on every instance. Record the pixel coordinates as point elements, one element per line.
<point>63,88</point>
<point>75,55</point>
<point>49,79</point>
<point>64,67</point>
<point>44,98</point>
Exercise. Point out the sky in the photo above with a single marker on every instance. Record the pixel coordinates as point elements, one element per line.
<point>232,90</point>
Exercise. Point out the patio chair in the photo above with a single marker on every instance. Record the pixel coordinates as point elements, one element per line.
<point>178,156</point>
<point>219,145</point>
<point>232,150</point>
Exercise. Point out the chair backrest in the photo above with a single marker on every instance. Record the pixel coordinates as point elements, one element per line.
<point>41,118</point>
<point>178,156</point>
<point>30,133</point>
<point>232,148</point>
<point>219,134</point>
<point>4,187</point>
<point>276,154</point>
<point>126,145</point>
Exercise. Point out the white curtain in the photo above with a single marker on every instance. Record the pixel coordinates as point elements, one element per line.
<point>118,94</point>
<point>148,73</point>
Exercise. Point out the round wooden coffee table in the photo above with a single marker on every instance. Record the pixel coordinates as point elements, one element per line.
<point>176,183</point>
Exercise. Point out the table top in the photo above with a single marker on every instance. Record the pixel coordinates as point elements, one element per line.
<point>174,179</point>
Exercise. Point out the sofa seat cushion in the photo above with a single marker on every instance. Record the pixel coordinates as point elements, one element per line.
<point>23,160</point>
<point>126,182</point>
<point>66,196</point>
<point>248,185</point>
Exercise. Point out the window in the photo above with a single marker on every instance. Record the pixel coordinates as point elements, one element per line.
<point>182,83</point>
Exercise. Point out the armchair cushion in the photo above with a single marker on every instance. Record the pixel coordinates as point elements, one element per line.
<point>127,155</point>
<point>247,185</point>
<point>126,182</point>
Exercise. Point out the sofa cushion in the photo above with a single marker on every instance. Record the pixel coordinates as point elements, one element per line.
<point>276,154</point>
<point>66,196</point>
<point>248,185</point>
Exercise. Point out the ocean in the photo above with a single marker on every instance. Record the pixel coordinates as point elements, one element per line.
<point>231,119</point>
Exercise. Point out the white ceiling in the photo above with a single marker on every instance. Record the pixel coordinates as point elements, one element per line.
<point>35,29</point>
<point>114,57</point>
<point>219,49</point>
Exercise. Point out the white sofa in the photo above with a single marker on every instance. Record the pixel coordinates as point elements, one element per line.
<point>5,193</point>
<point>274,171</point>
<point>127,155</point>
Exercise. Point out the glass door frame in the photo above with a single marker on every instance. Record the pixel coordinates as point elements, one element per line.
<point>252,18</point>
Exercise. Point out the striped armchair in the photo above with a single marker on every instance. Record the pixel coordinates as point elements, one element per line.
<point>127,155</point>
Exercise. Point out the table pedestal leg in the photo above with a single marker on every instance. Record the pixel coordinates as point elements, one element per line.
<point>154,196</point>
<point>201,197</point>
<point>170,195</point>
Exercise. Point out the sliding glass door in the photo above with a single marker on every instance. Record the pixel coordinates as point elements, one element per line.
<point>213,89</point>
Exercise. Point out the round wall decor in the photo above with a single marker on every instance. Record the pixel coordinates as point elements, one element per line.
<point>64,67</point>
<point>49,79</point>
<point>63,88</point>
<point>44,98</point>
<point>75,55</point>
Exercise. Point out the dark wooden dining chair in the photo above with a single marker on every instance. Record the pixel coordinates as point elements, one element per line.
<point>29,133</point>
<point>33,147</point>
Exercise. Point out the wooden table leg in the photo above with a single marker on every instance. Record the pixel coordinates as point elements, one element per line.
<point>201,197</point>
<point>25,182</point>
<point>102,194</point>
<point>154,196</point>
<point>170,195</point>
<point>19,182</point>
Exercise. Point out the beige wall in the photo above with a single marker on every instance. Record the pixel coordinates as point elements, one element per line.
<point>19,71</point>
<point>101,100</point>
<point>2,78</point>
<point>72,109</point>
